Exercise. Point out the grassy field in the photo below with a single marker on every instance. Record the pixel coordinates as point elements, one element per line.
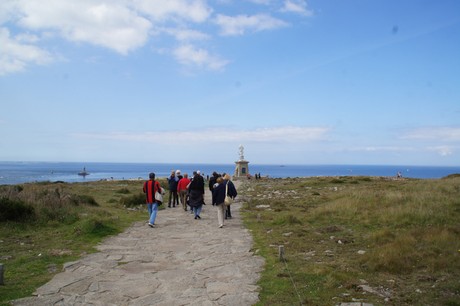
<point>375,240</point>
<point>68,221</point>
<point>357,239</point>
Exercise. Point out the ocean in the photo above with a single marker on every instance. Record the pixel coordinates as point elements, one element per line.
<point>24,172</point>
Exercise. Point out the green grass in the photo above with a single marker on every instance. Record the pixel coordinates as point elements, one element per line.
<point>399,237</point>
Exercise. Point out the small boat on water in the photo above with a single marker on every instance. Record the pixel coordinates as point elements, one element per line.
<point>84,172</point>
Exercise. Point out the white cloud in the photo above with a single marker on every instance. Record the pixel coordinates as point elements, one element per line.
<point>126,25</point>
<point>191,10</point>
<point>190,55</point>
<point>434,133</point>
<point>443,150</point>
<point>16,53</point>
<point>101,23</point>
<point>239,25</point>
<point>287,134</point>
<point>296,6</point>
<point>384,149</point>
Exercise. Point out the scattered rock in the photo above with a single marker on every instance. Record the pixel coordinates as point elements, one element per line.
<point>52,268</point>
<point>59,252</point>
<point>330,229</point>
<point>263,206</point>
<point>382,292</point>
<point>355,304</point>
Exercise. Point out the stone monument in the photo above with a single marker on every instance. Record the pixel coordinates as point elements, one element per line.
<point>242,167</point>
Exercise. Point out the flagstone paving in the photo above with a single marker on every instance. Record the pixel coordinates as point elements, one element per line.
<point>182,261</point>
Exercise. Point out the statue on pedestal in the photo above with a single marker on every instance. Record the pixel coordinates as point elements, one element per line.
<point>242,167</point>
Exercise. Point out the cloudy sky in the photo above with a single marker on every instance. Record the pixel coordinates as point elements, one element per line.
<point>293,81</point>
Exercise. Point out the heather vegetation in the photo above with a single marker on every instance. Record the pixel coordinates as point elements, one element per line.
<point>357,239</point>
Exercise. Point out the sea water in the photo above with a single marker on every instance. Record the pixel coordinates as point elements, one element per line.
<point>23,172</point>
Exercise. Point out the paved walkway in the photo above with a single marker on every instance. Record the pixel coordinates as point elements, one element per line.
<point>182,261</point>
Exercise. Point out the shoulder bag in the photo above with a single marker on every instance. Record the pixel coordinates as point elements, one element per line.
<point>159,194</point>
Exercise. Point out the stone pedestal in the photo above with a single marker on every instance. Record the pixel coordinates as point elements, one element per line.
<point>241,169</point>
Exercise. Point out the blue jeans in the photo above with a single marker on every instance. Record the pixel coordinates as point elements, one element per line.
<point>153,209</point>
<point>197,210</point>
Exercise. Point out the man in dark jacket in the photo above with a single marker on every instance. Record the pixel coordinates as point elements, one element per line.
<point>212,181</point>
<point>172,182</point>
<point>196,194</point>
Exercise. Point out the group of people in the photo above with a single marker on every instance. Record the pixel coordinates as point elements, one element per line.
<point>190,193</point>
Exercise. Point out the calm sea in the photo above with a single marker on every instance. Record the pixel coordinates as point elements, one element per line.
<point>22,172</point>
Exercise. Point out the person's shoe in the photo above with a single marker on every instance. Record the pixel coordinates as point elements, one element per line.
<point>221,226</point>
<point>151,225</point>
<point>198,217</point>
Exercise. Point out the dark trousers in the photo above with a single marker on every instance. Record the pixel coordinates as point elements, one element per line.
<point>173,196</point>
<point>228,213</point>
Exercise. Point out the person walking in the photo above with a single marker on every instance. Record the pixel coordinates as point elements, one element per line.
<point>231,192</point>
<point>212,181</point>
<point>196,194</point>
<point>183,191</point>
<point>150,188</point>
<point>173,179</point>
<point>218,198</point>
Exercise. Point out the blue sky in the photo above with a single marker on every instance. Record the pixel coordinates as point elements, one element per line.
<point>293,81</point>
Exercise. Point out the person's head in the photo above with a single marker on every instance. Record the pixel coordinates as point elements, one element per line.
<point>215,174</point>
<point>172,172</point>
<point>220,180</point>
<point>186,175</point>
<point>177,172</point>
<point>198,172</point>
<point>151,175</point>
<point>227,177</point>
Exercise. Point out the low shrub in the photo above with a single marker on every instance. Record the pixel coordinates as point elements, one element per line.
<point>123,191</point>
<point>15,210</point>
<point>83,199</point>
<point>133,200</point>
<point>97,227</point>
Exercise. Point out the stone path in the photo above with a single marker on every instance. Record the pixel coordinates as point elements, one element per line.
<point>182,261</point>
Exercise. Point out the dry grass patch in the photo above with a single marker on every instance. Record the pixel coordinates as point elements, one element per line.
<point>348,239</point>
